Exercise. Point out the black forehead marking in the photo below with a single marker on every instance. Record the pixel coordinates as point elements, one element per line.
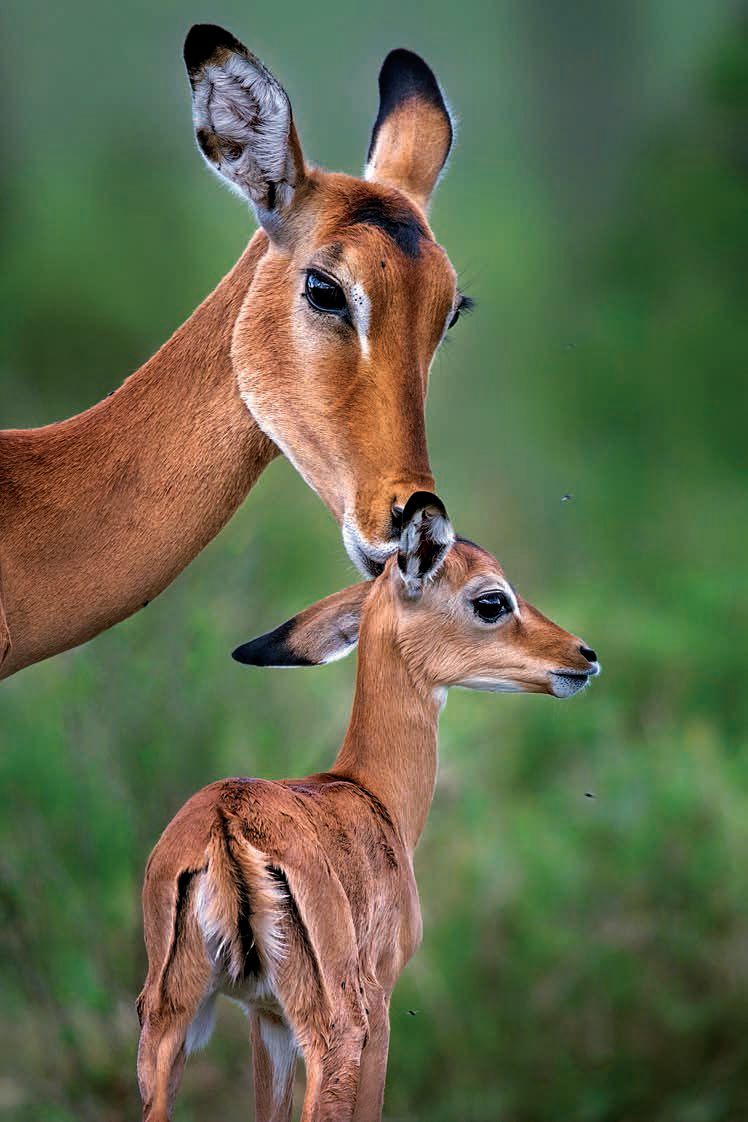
<point>398,221</point>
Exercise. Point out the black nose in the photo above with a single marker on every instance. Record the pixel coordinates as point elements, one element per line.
<point>397,519</point>
<point>588,653</point>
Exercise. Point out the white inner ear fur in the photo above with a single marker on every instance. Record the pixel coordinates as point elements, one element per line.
<point>438,530</point>
<point>242,104</point>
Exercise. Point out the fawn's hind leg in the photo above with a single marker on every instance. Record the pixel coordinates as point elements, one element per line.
<point>169,1032</point>
<point>333,1070</point>
<point>161,1058</point>
<point>274,1053</point>
<point>176,1005</point>
<point>317,982</point>
<point>373,1072</point>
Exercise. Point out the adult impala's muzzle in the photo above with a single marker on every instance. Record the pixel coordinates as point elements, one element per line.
<point>369,555</point>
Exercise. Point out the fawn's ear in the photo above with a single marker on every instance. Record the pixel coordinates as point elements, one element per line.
<point>412,134</point>
<point>425,539</point>
<point>326,631</point>
<point>243,124</point>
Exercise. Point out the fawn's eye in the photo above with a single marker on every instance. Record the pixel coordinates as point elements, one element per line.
<point>491,606</point>
<point>324,294</point>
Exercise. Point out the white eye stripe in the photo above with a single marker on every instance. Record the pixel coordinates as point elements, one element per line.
<point>360,309</point>
<point>359,305</point>
<point>509,593</point>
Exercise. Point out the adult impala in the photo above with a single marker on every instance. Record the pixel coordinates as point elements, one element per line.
<point>297,898</point>
<point>317,344</point>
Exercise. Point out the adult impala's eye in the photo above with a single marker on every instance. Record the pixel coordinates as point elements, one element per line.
<point>325,295</point>
<point>491,606</point>
<point>464,304</point>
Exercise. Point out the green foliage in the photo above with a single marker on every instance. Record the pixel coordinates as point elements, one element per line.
<point>583,871</point>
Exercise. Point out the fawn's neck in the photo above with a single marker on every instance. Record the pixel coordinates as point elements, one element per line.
<point>390,747</point>
<point>106,508</point>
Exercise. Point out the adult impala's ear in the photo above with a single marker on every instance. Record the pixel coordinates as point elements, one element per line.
<point>425,539</point>
<point>243,123</point>
<point>413,131</point>
<point>326,631</point>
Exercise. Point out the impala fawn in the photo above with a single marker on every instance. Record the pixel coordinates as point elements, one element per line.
<point>297,898</point>
<point>317,345</point>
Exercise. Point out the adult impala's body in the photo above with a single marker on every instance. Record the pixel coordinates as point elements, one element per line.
<point>317,344</point>
<point>298,898</point>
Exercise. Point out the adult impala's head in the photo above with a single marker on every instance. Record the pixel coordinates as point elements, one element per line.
<point>333,343</point>
<point>452,614</point>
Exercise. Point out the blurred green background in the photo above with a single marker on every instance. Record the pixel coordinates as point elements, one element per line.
<point>585,958</point>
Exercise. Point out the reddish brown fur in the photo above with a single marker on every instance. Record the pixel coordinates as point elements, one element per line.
<point>100,512</point>
<point>423,137</point>
<point>341,841</point>
<point>372,407</point>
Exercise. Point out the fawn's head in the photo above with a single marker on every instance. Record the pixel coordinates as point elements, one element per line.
<point>345,310</point>
<point>454,617</point>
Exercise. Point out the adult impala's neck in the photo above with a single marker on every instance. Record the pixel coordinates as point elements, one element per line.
<point>101,512</point>
<point>390,747</point>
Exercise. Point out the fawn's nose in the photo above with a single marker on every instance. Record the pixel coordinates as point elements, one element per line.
<point>588,653</point>
<point>396,519</point>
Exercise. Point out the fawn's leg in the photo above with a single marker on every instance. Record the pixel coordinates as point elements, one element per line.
<point>318,984</point>
<point>274,1055</point>
<point>161,1058</point>
<point>168,1033</point>
<point>332,1075</point>
<point>176,1004</point>
<point>374,1060</point>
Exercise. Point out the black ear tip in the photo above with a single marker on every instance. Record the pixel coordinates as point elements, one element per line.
<point>419,500</point>
<point>273,649</point>
<point>246,654</point>
<point>202,42</point>
<point>405,74</point>
<point>404,62</point>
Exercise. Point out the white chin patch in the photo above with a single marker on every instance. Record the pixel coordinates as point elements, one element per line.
<point>368,559</point>
<point>492,685</point>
